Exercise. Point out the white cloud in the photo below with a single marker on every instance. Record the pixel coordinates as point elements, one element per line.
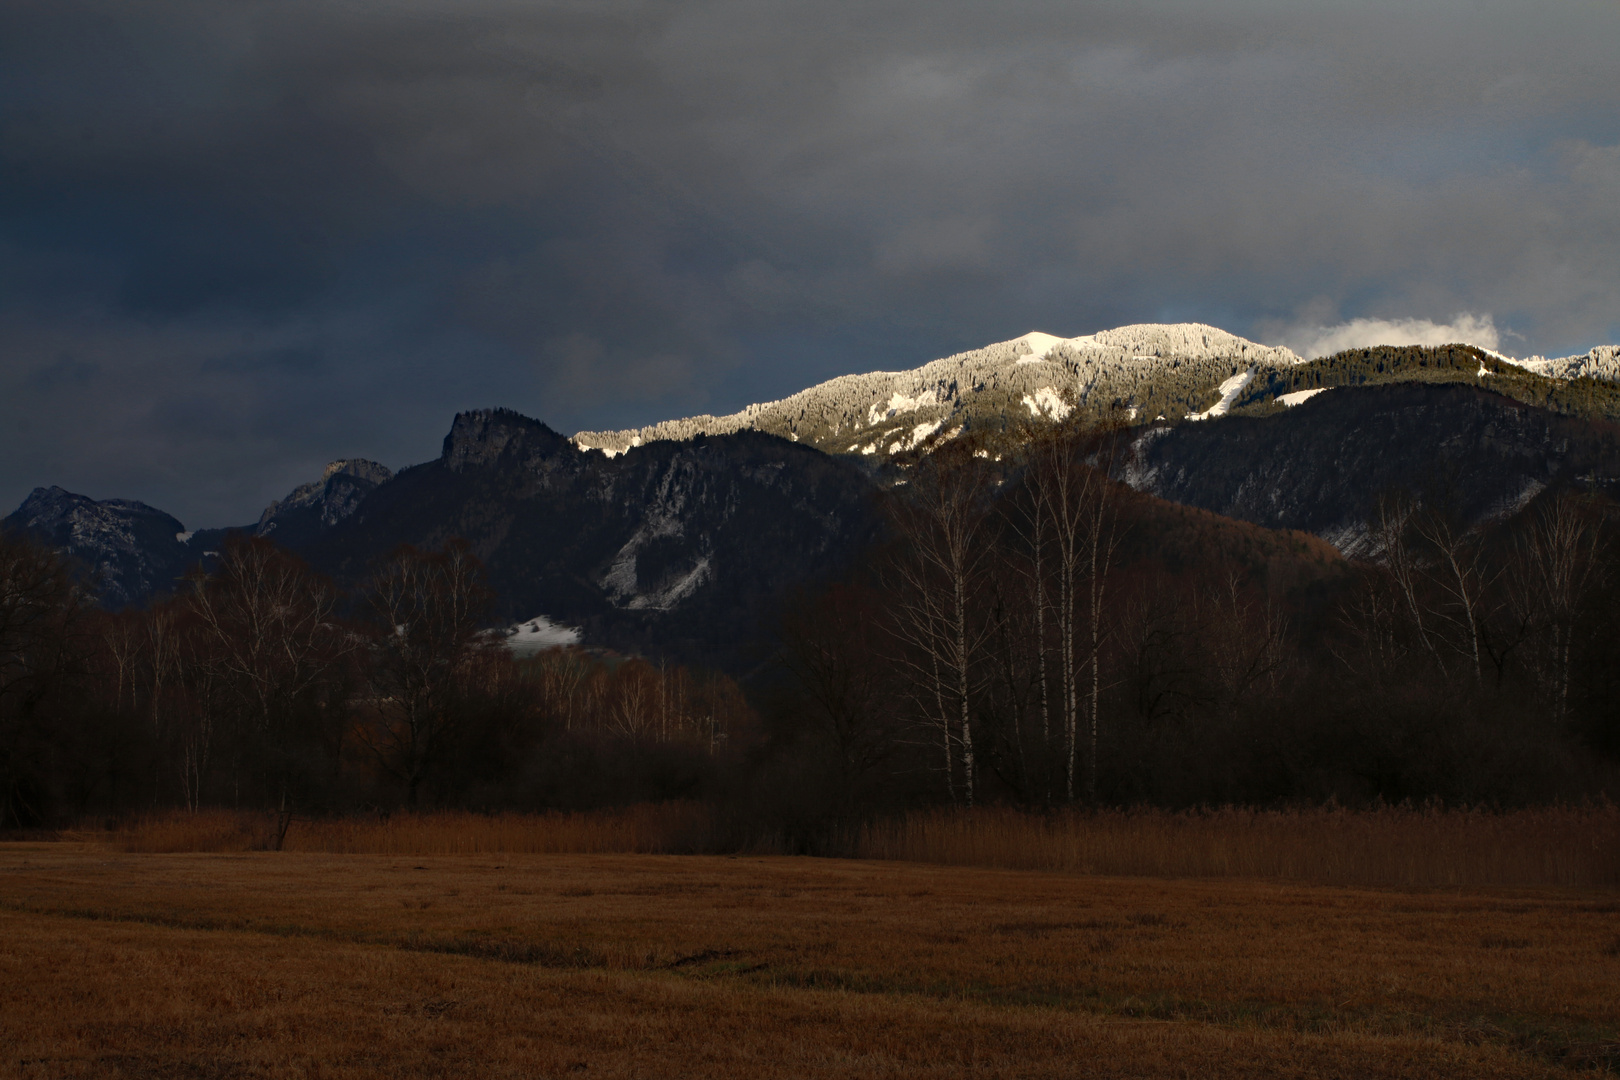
<point>1463,329</point>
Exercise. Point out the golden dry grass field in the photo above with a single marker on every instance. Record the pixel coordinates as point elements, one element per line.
<point>290,963</point>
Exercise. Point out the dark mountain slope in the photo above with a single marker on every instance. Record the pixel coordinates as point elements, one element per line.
<point>1586,397</point>
<point>1321,465</point>
<point>676,546</point>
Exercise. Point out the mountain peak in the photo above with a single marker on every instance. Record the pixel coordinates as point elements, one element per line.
<point>133,549</point>
<point>482,436</point>
<point>1153,341</point>
<point>322,503</point>
<point>359,467</point>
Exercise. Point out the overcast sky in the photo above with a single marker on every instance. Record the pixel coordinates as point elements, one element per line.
<point>239,240</point>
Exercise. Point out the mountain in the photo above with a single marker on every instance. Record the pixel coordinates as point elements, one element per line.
<point>1135,370</point>
<point>130,550</point>
<point>1584,391</point>
<point>673,546</point>
<point>1129,375</point>
<point>1602,362</point>
<point>682,532</point>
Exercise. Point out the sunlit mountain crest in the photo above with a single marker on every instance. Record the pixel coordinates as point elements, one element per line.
<point>1037,374</point>
<point>1131,374</point>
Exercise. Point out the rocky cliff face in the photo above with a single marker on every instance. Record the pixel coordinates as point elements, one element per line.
<point>129,550</point>
<point>1321,466</point>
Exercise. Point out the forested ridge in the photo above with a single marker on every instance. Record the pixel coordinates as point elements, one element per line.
<point>1585,396</point>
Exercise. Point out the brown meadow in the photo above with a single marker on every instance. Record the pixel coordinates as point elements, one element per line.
<point>508,963</point>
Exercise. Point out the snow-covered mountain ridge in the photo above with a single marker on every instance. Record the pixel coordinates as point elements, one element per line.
<point>1136,373</point>
<point>1038,374</point>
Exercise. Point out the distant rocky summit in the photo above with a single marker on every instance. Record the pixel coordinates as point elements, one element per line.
<point>130,550</point>
<point>320,504</point>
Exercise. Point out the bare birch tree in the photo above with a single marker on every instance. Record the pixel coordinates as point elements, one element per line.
<point>1557,564</point>
<point>940,516</point>
<point>1073,507</point>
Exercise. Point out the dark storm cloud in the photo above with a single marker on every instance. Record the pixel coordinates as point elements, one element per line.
<point>239,240</point>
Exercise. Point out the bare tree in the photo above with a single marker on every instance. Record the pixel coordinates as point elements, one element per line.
<point>273,649</point>
<point>562,673</point>
<point>832,643</point>
<point>429,610</point>
<point>1441,579</point>
<point>1461,578</point>
<point>1557,565</point>
<point>1245,641</point>
<point>1390,540</point>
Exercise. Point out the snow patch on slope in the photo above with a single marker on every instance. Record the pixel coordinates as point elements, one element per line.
<point>538,634</point>
<point>1047,402</point>
<point>1299,397</point>
<point>1229,390</point>
<point>918,434</point>
<point>898,403</point>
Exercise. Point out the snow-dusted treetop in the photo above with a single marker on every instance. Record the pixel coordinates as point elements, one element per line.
<point>1602,362</point>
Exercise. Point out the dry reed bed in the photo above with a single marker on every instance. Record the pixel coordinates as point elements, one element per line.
<point>1561,846</point>
<point>1566,846</point>
<point>666,829</point>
